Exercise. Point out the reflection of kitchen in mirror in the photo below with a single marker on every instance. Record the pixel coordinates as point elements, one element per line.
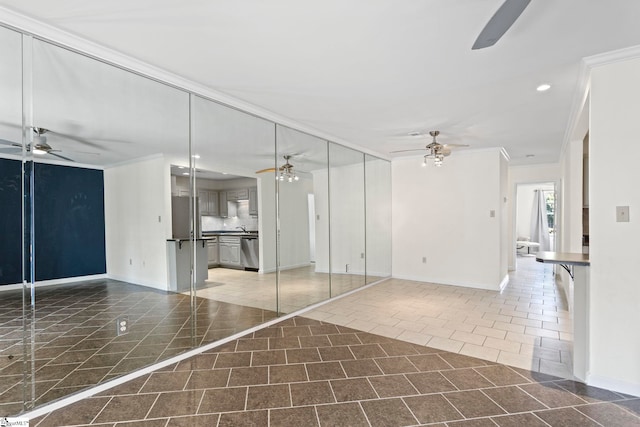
<point>226,219</point>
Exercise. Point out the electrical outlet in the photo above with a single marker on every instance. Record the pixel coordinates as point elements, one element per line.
<point>130,261</point>
<point>424,259</point>
<point>159,218</point>
<point>362,255</point>
<point>622,213</point>
<point>492,213</point>
<point>122,325</point>
<point>346,268</point>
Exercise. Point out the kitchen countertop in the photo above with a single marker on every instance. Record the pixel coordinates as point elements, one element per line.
<point>563,258</point>
<point>210,234</point>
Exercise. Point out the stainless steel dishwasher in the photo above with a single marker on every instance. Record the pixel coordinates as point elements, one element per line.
<point>249,248</point>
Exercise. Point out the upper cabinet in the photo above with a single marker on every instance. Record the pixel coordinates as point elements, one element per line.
<point>223,207</point>
<point>253,201</point>
<point>208,202</point>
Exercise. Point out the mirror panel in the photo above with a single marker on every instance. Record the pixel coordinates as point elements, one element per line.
<point>16,343</point>
<point>378,221</point>
<point>124,277</point>
<point>104,304</point>
<point>237,213</point>
<point>347,224</point>
<point>302,162</point>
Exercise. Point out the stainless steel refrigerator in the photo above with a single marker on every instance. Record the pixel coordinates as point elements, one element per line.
<point>180,223</point>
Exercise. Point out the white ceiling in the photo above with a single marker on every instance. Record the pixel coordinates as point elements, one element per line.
<point>371,71</point>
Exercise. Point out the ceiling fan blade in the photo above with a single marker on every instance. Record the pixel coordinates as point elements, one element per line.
<point>61,157</point>
<point>500,22</point>
<point>10,149</point>
<point>455,145</point>
<point>404,151</point>
<point>12,144</point>
<point>266,170</point>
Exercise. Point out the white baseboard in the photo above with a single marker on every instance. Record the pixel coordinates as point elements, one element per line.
<point>504,283</point>
<point>52,282</point>
<point>133,281</point>
<point>614,384</point>
<point>484,286</point>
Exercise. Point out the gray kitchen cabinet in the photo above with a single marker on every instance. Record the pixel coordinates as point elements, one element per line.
<point>208,202</point>
<point>212,252</point>
<point>223,208</point>
<point>253,201</point>
<point>242,194</point>
<point>229,247</point>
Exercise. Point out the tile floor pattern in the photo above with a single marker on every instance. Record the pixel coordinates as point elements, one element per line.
<point>298,287</point>
<point>76,345</point>
<point>304,372</point>
<point>527,325</point>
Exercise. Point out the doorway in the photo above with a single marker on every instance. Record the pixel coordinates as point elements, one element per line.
<point>535,225</point>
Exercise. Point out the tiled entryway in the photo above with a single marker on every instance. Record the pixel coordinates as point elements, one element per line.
<point>303,372</point>
<point>527,325</point>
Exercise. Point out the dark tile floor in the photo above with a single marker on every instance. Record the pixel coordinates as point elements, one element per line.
<point>72,341</point>
<point>303,372</point>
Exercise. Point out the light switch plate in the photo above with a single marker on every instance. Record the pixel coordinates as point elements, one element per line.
<point>622,213</point>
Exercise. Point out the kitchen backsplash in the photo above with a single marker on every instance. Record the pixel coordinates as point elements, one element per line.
<point>214,223</point>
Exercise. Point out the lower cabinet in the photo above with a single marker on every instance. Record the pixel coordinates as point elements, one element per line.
<point>230,251</point>
<point>212,252</point>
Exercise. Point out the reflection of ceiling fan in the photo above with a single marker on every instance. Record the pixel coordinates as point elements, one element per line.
<point>287,173</point>
<point>39,146</point>
<point>435,151</point>
<point>500,22</point>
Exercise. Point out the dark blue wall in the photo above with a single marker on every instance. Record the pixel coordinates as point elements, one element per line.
<point>10,222</point>
<point>69,222</point>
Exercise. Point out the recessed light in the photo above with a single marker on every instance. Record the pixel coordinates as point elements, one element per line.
<point>185,173</point>
<point>543,87</point>
<point>415,133</point>
<point>530,155</point>
<point>196,156</point>
<point>180,167</point>
<point>225,173</point>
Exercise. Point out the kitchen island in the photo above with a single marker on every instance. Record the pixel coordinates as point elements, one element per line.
<point>179,252</point>
<point>577,265</point>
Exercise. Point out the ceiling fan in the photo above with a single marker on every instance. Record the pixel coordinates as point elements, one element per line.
<point>287,172</point>
<point>500,22</point>
<point>435,151</point>
<point>39,146</point>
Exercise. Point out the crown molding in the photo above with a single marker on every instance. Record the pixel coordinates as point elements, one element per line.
<point>51,34</point>
<point>583,83</point>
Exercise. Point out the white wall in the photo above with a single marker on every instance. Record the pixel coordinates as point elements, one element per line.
<point>519,175</point>
<point>321,195</point>
<point>614,297</point>
<point>347,213</point>
<point>345,232</point>
<point>504,215</point>
<point>138,221</point>
<point>267,223</point>
<point>378,217</point>
<point>294,223</point>
<point>443,214</point>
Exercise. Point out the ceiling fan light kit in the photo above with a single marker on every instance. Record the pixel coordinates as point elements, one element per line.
<point>286,172</point>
